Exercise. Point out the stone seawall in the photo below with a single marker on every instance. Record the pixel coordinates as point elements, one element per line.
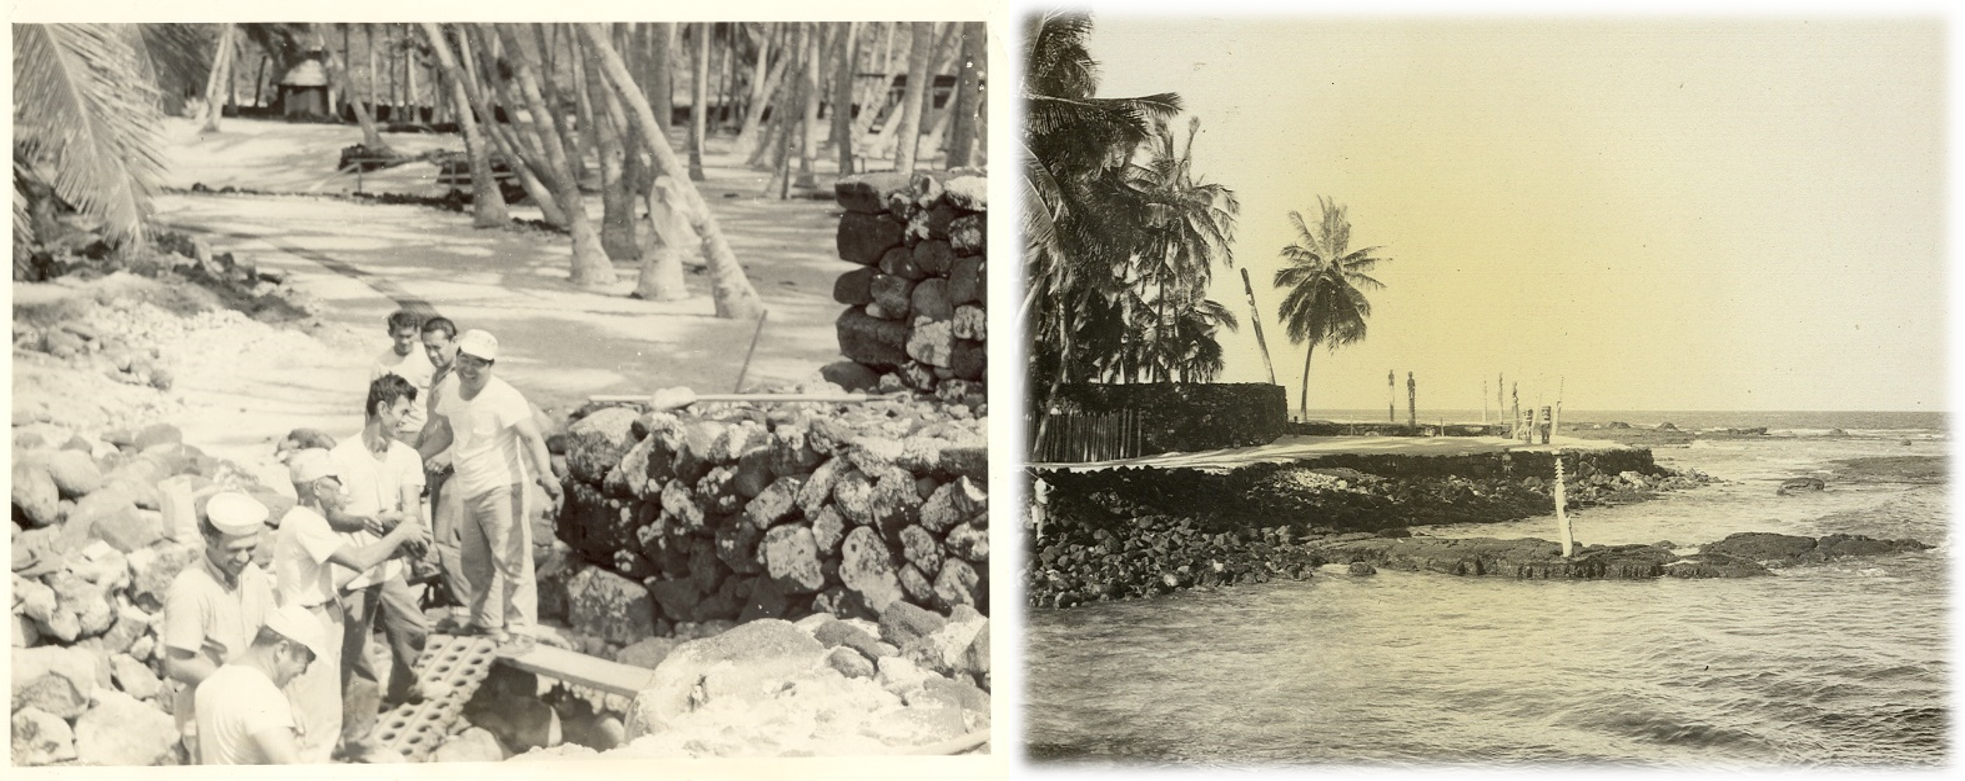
<point>739,512</point>
<point>1122,533</point>
<point>916,300</point>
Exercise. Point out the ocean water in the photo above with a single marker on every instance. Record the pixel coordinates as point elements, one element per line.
<point>1841,664</point>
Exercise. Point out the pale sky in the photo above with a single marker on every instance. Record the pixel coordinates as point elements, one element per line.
<point>1666,213</point>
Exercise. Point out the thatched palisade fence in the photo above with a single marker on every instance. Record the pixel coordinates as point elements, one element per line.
<point>1096,422</point>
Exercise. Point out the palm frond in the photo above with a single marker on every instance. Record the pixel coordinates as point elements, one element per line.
<point>77,96</point>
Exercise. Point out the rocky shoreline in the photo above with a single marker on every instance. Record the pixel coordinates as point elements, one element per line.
<point>1137,533</point>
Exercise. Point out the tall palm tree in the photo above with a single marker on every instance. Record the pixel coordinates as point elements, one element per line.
<point>1086,205</point>
<point>1193,225</point>
<point>1325,279</point>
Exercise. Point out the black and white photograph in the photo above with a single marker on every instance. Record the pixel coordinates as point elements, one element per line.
<point>398,391</point>
<point>1487,392</point>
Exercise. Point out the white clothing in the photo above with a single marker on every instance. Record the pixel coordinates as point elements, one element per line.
<point>300,558</point>
<point>414,367</point>
<point>374,485</point>
<point>485,445</point>
<point>234,704</point>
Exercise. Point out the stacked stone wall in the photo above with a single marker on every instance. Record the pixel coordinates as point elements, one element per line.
<point>917,297</point>
<point>735,512</point>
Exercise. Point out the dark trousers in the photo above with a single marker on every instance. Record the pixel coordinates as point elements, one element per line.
<point>403,625</point>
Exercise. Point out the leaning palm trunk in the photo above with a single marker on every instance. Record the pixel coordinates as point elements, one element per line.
<point>525,161</point>
<point>371,137</point>
<point>591,268</point>
<point>221,73</point>
<point>908,133</point>
<point>734,296</point>
<point>661,257</point>
<point>617,222</point>
<point>487,203</point>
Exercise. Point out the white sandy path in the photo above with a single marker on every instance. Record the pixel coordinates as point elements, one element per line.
<point>560,343</point>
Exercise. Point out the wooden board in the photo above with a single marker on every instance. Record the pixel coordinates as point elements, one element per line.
<point>583,670</point>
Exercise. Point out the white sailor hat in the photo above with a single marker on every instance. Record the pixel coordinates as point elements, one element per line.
<point>306,466</point>
<point>233,513</point>
<point>295,623</point>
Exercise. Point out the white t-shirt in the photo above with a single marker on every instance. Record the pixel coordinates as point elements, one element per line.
<point>485,445</point>
<point>374,485</point>
<point>234,704</point>
<point>414,367</point>
<point>300,558</point>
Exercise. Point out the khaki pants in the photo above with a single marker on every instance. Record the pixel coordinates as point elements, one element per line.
<point>497,549</point>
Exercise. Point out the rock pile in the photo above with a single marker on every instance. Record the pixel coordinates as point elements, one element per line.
<point>1157,555</point>
<point>741,512</point>
<point>100,530</point>
<point>915,305</point>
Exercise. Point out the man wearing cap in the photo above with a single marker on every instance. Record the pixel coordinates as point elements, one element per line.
<point>406,358</point>
<point>303,549</point>
<point>242,712</point>
<point>493,432</point>
<point>215,605</point>
<point>384,481</point>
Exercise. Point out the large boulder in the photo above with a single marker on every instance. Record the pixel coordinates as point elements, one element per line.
<point>134,677</point>
<point>792,558</point>
<point>153,568</point>
<point>866,569</point>
<point>36,497</point>
<point>596,443</point>
<point>122,730</point>
<point>904,624</point>
<point>41,738</point>
<point>741,663</point>
<point>74,472</point>
<point>606,605</point>
<point>1762,546</point>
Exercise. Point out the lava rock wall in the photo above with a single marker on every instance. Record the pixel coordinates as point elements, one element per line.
<point>741,512</point>
<point>915,302</point>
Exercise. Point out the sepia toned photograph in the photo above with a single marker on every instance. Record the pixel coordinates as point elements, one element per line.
<point>394,392</point>
<point>1484,392</point>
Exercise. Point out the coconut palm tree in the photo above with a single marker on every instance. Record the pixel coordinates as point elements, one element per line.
<point>85,130</point>
<point>1086,204</point>
<point>1193,225</point>
<point>1325,283</point>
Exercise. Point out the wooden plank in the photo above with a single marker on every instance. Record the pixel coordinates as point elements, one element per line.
<point>583,670</point>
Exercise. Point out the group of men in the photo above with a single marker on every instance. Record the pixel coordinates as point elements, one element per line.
<point>442,469</point>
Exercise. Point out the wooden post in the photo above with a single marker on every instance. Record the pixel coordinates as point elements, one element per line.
<point>1545,425</point>
<point>1412,401</point>
<point>1514,429</point>
<point>1562,516</point>
<point>1483,402</point>
<point>1391,396</point>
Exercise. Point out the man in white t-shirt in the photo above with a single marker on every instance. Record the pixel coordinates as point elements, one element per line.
<point>242,712</point>
<point>215,605</point>
<point>490,431</point>
<point>384,482</point>
<point>406,358</point>
<point>303,550</point>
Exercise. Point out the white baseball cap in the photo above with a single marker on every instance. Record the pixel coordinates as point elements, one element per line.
<point>235,514</point>
<point>478,344</point>
<point>295,623</point>
<point>306,466</point>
